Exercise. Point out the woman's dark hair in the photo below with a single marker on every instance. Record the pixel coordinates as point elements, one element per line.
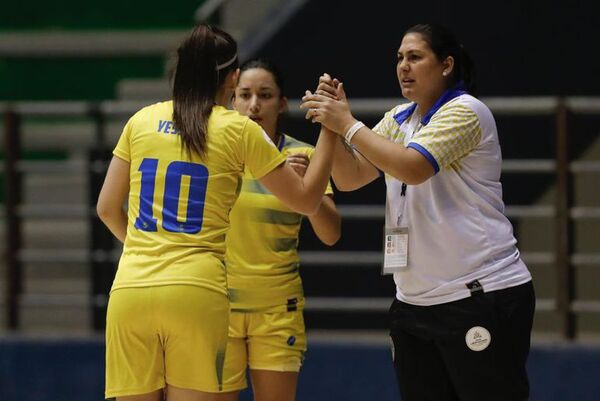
<point>267,66</point>
<point>204,59</point>
<point>443,43</point>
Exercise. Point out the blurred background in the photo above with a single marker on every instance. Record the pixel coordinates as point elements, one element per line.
<point>72,72</point>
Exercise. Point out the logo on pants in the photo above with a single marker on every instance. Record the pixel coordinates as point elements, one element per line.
<point>478,338</point>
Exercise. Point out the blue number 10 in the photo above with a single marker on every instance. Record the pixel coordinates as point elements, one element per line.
<point>195,208</point>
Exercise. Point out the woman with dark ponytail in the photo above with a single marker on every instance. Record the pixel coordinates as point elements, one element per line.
<point>267,337</point>
<point>461,320</point>
<point>179,165</point>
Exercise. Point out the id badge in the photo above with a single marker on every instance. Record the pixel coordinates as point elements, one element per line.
<point>395,250</point>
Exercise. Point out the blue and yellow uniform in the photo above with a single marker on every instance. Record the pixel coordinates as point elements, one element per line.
<point>266,325</point>
<point>178,217</point>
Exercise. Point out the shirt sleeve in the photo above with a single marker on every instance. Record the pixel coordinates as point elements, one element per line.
<point>261,156</point>
<point>388,127</point>
<point>385,126</point>
<point>451,134</point>
<point>123,148</point>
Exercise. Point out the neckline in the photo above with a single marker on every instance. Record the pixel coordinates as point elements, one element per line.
<point>447,96</point>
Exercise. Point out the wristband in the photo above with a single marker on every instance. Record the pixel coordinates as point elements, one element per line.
<point>353,130</point>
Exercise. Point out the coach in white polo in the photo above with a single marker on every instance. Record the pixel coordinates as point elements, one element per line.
<point>462,317</point>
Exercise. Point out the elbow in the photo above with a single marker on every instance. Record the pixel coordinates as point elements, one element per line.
<point>414,180</point>
<point>416,177</point>
<point>332,239</point>
<point>104,212</point>
<point>336,234</point>
<point>333,233</point>
<point>415,174</point>
<point>419,178</point>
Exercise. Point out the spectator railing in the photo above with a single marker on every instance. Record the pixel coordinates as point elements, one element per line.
<point>102,255</point>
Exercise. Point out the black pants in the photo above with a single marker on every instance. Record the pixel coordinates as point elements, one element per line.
<point>434,363</point>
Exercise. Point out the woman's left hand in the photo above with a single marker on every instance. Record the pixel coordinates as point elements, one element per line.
<point>299,162</point>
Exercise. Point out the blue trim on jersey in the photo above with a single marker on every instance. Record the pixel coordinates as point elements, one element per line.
<point>404,114</point>
<point>427,155</point>
<point>448,95</point>
<point>281,143</point>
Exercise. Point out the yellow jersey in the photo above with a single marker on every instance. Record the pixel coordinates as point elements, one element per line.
<point>262,246</point>
<point>179,204</point>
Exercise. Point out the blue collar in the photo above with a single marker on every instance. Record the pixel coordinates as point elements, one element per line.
<point>281,143</point>
<point>448,95</point>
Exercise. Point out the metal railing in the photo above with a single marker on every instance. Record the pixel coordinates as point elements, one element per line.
<point>102,256</point>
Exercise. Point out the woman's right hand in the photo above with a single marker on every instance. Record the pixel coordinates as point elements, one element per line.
<point>329,105</point>
<point>327,87</point>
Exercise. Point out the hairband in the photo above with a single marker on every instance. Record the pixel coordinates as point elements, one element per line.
<point>227,63</point>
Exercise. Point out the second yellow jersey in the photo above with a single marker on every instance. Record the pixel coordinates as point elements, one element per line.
<point>178,206</point>
<point>262,245</point>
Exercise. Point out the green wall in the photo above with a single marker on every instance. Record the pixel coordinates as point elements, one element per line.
<point>106,14</point>
<point>72,78</point>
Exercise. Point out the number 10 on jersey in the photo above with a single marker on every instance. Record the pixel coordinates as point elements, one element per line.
<point>195,206</point>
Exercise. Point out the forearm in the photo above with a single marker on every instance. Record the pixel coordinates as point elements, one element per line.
<point>116,222</point>
<point>317,175</point>
<point>350,170</point>
<point>404,164</point>
<point>112,198</point>
<point>326,223</point>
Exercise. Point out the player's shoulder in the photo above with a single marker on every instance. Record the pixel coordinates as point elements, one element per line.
<point>149,117</point>
<point>228,114</point>
<point>468,104</point>
<point>160,109</point>
<point>223,116</point>
<point>232,121</point>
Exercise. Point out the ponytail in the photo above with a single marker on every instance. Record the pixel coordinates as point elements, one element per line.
<point>204,59</point>
<point>466,71</point>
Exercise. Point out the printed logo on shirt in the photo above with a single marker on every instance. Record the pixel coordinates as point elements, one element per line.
<point>478,338</point>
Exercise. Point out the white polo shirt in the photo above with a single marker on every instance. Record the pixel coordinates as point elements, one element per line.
<point>456,225</point>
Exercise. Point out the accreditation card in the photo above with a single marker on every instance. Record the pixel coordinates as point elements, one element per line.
<point>395,250</point>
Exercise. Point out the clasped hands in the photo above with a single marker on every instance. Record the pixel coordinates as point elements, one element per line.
<point>328,105</point>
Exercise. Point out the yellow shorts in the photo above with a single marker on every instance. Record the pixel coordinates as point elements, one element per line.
<point>173,334</point>
<point>263,341</point>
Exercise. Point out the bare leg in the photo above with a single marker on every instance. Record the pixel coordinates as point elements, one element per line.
<point>185,394</point>
<point>153,396</point>
<point>269,385</point>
